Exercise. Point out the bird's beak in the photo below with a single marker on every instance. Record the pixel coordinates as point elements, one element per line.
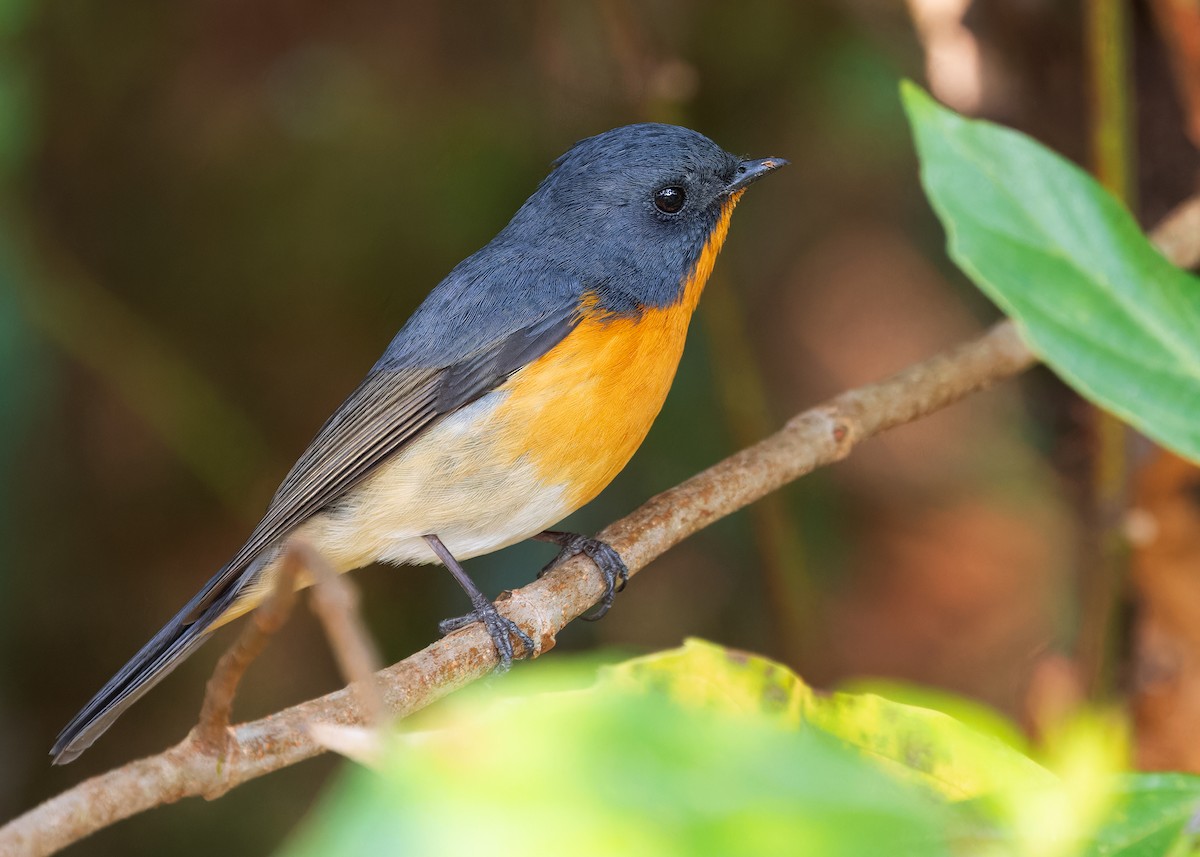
<point>748,172</point>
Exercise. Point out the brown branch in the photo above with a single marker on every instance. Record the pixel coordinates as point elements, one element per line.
<point>814,438</point>
<point>1179,26</point>
<point>212,729</point>
<point>335,601</point>
<point>810,440</point>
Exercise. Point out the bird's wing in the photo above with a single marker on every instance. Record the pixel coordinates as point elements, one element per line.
<point>389,409</point>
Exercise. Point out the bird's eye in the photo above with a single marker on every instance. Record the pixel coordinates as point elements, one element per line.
<point>669,200</point>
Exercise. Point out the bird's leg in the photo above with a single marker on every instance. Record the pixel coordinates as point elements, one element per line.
<point>616,573</point>
<point>501,628</point>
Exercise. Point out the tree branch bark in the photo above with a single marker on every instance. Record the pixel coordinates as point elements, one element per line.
<point>810,440</point>
<point>212,728</point>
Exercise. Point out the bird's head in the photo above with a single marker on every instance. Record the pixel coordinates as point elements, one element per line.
<point>637,207</point>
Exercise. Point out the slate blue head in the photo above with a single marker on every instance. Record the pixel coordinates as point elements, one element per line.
<point>622,219</point>
<point>636,205</point>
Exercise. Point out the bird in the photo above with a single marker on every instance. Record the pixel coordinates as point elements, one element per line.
<point>514,393</point>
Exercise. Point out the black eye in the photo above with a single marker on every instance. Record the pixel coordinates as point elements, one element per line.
<point>669,200</point>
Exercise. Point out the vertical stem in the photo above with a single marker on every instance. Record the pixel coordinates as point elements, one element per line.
<point>1112,154</point>
<point>789,590</point>
<point>1110,96</point>
<point>741,388</point>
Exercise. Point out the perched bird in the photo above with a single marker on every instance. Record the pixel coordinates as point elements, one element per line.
<point>514,394</point>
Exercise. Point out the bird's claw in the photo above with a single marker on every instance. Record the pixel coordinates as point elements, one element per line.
<point>616,573</point>
<point>500,628</point>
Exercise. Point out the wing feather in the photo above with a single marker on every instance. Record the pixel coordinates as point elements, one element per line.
<point>390,408</point>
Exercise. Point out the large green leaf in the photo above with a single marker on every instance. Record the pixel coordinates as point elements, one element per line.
<point>627,770</point>
<point>705,750</point>
<point>1068,263</point>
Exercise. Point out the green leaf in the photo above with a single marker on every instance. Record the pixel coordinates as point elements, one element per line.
<point>1152,818</point>
<point>1068,263</point>
<point>627,770</point>
<point>912,742</point>
<point>704,750</point>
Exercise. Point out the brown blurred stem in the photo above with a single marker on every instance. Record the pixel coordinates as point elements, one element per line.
<point>789,593</point>
<point>1104,555</point>
<point>1110,94</point>
<point>1179,26</point>
<point>809,440</point>
<point>336,603</point>
<point>1176,235</point>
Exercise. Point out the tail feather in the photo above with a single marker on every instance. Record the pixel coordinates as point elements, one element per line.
<point>166,650</point>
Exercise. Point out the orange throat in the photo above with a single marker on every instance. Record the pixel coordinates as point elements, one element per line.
<point>695,281</point>
<point>580,411</point>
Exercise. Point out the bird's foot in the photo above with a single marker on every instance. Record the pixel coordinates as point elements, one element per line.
<point>500,628</point>
<point>616,573</point>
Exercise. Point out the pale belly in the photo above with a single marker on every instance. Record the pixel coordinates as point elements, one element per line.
<point>454,481</point>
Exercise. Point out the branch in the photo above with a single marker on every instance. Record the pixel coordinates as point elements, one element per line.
<point>335,601</point>
<point>212,730</point>
<point>810,440</point>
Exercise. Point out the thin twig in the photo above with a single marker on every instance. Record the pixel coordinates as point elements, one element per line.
<point>335,601</point>
<point>212,729</point>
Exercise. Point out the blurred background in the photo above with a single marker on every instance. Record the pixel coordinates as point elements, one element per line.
<point>216,214</point>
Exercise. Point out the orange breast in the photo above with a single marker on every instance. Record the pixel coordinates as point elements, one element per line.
<point>580,411</point>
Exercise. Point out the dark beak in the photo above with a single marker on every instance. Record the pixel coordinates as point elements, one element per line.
<point>749,172</point>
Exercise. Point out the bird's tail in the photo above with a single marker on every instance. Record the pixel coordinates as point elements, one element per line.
<point>169,647</point>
